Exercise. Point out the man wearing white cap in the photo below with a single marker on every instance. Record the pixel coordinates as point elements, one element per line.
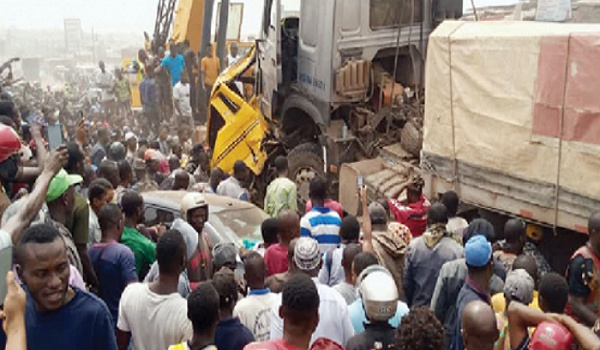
<point>334,320</point>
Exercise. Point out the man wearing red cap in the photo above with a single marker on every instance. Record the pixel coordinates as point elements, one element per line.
<point>553,332</point>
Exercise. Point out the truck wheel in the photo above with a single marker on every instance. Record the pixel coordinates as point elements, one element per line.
<point>306,163</point>
<point>411,139</point>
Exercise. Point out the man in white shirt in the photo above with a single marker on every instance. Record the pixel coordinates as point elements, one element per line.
<point>100,192</point>
<point>232,187</point>
<point>154,314</point>
<point>106,83</point>
<point>334,320</point>
<point>183,106</point>
<point>254,310</point>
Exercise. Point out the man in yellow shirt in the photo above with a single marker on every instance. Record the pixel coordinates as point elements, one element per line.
<point>210,67</point>
<point>528,264</point>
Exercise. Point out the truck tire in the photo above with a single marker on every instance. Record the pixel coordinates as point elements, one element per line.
<point>411,139</point>
<point>305,163</point>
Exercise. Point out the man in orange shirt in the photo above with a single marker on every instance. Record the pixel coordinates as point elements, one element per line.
<point>210,67</point>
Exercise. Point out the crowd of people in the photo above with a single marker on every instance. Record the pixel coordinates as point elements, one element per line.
<point>87,272</point>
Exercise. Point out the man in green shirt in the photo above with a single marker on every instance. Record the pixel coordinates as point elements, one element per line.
<point>281,193</point>
<point>143,248</point>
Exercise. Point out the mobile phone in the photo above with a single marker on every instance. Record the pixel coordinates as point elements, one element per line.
<point>80,114</point>
<point>55,138</point>
<point>359,181</point>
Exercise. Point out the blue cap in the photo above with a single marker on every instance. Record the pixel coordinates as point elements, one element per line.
<point>478,251</point>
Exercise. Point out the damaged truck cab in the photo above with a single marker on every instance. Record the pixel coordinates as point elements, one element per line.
<point>329,81</point>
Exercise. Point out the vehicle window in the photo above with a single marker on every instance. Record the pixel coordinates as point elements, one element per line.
<point>154,216</point>
<point>386,13</point>
<point>239,224</point>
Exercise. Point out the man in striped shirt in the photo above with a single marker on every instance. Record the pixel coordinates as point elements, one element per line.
<point>321,223</point>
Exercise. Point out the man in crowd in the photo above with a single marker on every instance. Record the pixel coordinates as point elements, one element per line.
<point>333,271</point>
<point>123,93</point>
<point>143,248</point>
<point>288,228</point>
<point>357,309</point>
<point>478,254</point>
<point>61,200</point>
<point>515,243</point>
<point>58,315</point>
<point>230,332</point>
<point>300,305</point>
<point>163,142</point>
<point>479,331</point>
<point>203,312</point>
<point>174,63</point>
<point>583,276</point>
<point>411,212</point>
<point>149,99</point>
<point>154,314</point>
<point>321,223</point>
<point>450,281</point>
<point>276,282</point>
<point>114,263</point>
<point>281,192</point>
<point>426,255</point>
<point>78,223</point>
<point>100,193</point>
<point>268,230</point>
<point>346,288</point>
<point>106,83</point>
<point>109,170</point>
<point>126,176</point>
<point>334,320</point>
<point>183,106</point>
<point>552,331</point>
<point>194,210</point>
<point>388,242</point>
<point>98,152</point>
<point>456,225</point>
<point>232,187</point>
<point>420,330</point>
<point>380,298</point>
<point>253,310</point>
<point>210,67</point>
<point>527,264</point>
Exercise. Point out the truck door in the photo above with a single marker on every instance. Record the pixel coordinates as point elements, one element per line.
<point>268,54</point>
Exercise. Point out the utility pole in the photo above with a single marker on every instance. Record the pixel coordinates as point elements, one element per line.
<point>222,34</point>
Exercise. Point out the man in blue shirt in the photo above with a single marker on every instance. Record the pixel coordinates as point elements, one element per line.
<point>58,316</point>
<point>174,63</point>
<point>149,99</point>
<point>113,262</point>
<point>321,223</point>
<point>478,254</point>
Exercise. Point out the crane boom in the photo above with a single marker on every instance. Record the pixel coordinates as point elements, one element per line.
<point>164,19</point>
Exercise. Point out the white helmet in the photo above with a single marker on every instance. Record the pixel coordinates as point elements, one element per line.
<point>190,201</point>
<point>378,292</point>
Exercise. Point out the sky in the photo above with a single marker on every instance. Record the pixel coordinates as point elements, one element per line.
<point>102,15</point>
<point>114,15</point>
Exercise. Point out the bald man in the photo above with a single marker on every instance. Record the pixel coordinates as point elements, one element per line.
<point>253,310</point>
<point>479,329</point>
<point>182,180</point>
<point>288,228</point>
<point>583,277</point>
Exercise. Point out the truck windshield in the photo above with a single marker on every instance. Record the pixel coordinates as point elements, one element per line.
<point>387,13</point>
